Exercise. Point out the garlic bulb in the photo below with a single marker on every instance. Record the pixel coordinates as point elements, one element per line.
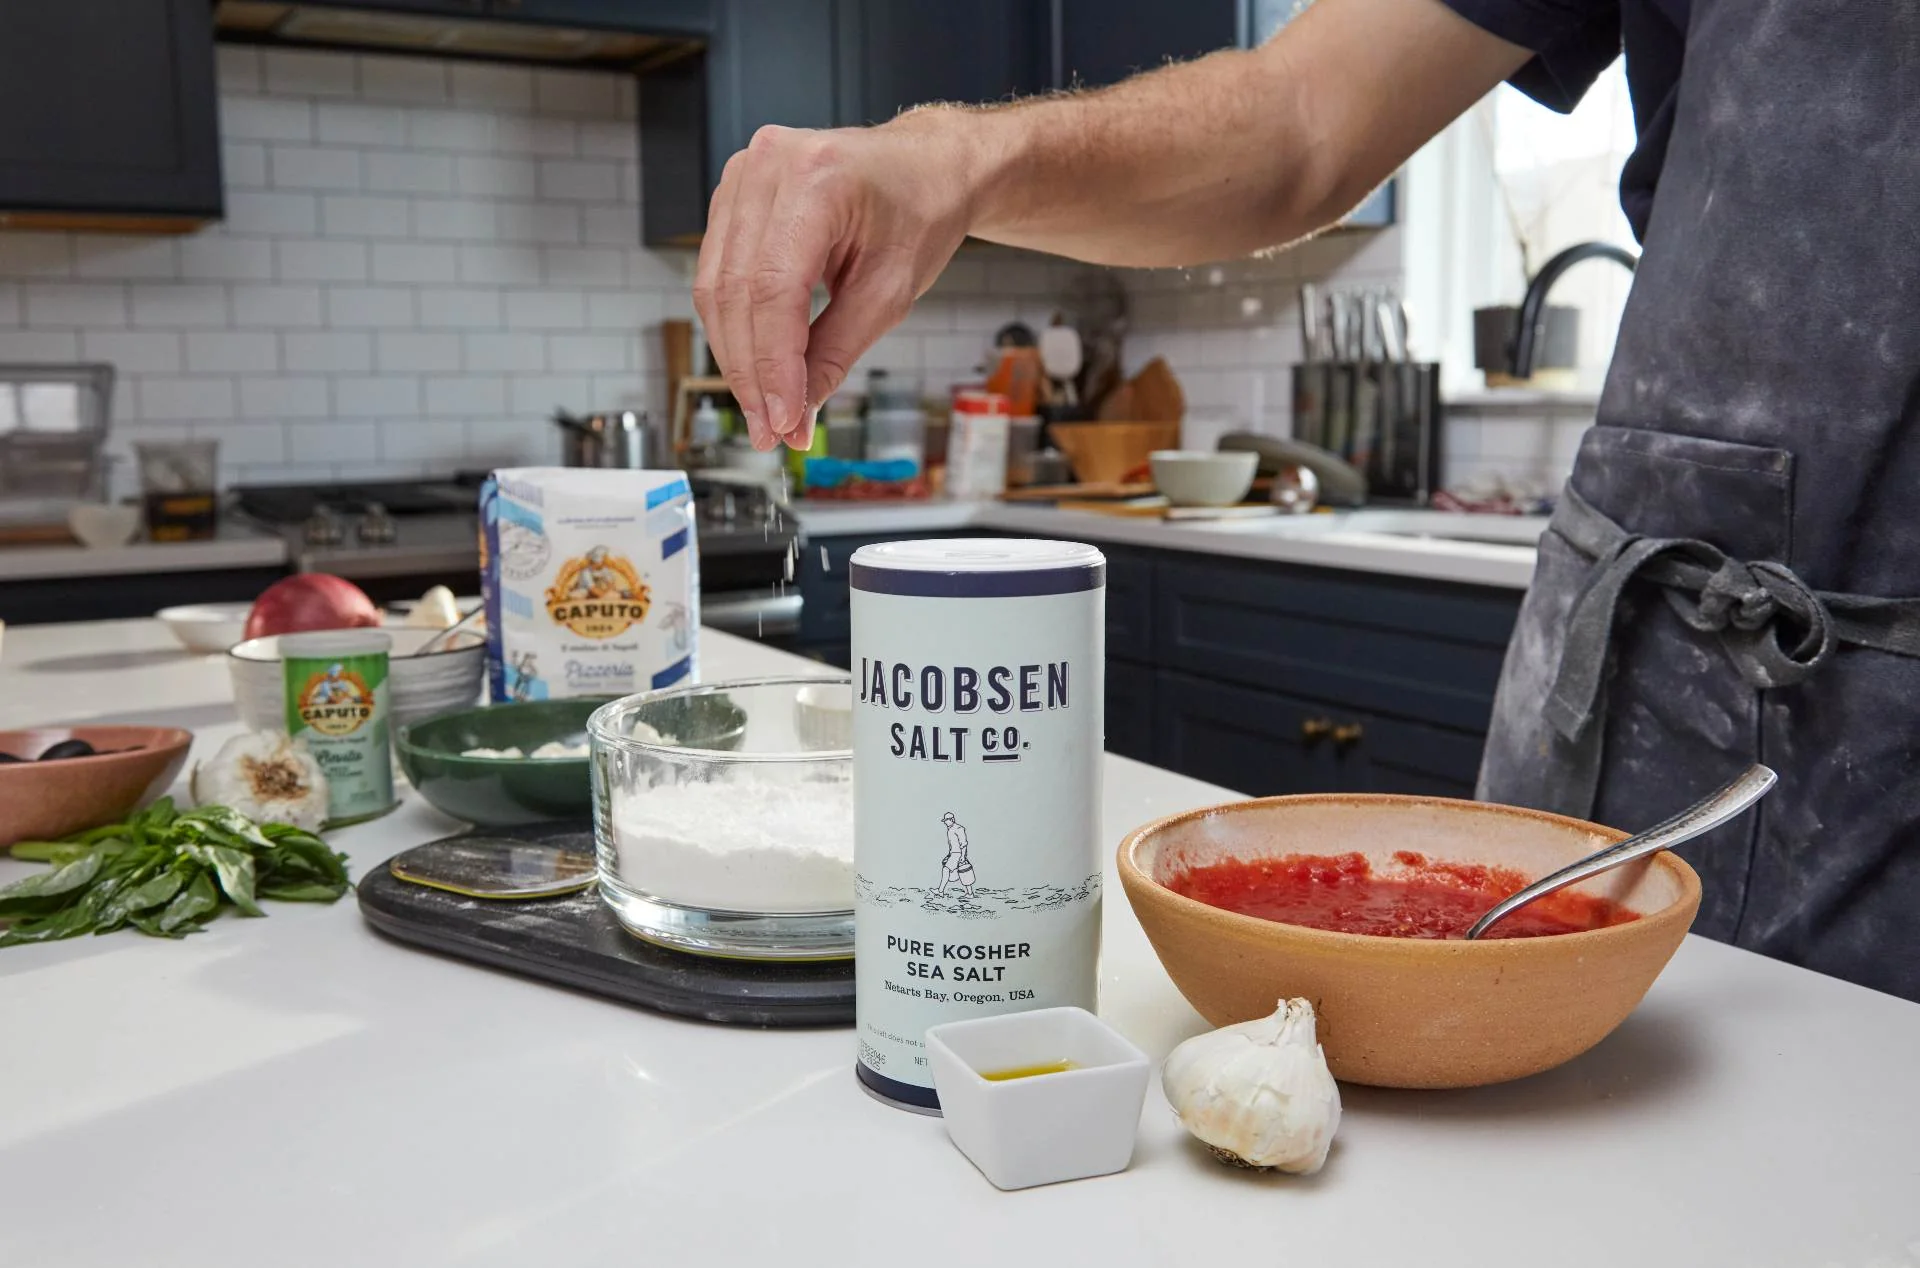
<point>267,776</point>
<point>1258,1094</point>
<point>437,609</point>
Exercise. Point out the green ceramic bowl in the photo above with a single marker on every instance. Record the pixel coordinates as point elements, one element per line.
<point>497,792</point>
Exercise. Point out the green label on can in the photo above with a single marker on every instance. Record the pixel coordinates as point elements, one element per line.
<point>338,705</point>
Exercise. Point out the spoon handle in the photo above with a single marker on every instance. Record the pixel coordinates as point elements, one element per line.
<point>1710,812</point>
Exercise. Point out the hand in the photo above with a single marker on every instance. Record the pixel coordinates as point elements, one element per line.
<point>874,213</point>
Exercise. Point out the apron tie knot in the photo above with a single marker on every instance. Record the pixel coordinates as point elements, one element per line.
<point>1751,606</point>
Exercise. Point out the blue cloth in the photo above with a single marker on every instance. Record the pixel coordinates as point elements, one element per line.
<point>1573,41</point>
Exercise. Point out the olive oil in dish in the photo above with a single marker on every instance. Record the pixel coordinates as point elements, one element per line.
<point>977,731</point>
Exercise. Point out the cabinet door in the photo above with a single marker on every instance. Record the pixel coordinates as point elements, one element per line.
<point>1130,710</point>
<point>1392,755</point>
<point>1104,41</point>
<point>1129,604</point>
<point>690,17</point>
<point>109,109</point>
<point>1255,742</point>
<point>903,53</point>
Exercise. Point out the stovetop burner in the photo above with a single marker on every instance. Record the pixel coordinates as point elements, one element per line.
<point>287,504</point>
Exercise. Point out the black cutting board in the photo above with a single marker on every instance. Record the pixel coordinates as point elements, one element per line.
<point>575,941</point>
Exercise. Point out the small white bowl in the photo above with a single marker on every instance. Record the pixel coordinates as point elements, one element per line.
<point>420,687</point>
<point>206,627</point>
<point>103,525</point>
<point>1192,478</point>
<point>1046,1127</point>
<point>823,714</point>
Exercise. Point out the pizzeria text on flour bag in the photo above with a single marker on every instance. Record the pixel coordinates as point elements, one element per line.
<point>591,580</point>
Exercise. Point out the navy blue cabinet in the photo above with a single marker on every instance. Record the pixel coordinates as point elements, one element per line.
<point>1099,42</point>
<point>109,114</point>
<point>1266,678</point>
<point>896,54</point>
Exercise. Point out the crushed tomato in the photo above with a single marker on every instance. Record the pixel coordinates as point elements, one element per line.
<point>1422,900</point>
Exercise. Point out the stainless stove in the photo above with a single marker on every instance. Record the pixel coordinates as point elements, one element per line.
<point>395,538</point>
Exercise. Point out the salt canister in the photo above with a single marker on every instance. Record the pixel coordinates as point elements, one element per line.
<point>978,676</point>
<point>336,694</point>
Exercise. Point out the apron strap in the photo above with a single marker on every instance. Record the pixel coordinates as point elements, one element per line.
<point>1776,629</point>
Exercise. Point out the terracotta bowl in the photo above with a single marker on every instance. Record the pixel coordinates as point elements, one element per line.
<point>43,800</point>
<point>1406,1012</point>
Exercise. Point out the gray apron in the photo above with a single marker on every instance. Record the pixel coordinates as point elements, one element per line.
<point>1728,578</point>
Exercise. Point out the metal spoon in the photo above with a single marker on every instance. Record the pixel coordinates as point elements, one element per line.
<point>1710,812</point>
<point>439,640</point>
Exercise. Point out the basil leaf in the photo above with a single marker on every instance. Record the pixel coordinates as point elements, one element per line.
<point>192,905</point>
<point>303,892</point>
<point>62,880</point>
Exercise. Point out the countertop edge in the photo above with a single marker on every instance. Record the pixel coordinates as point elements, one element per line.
<point>29,563</point>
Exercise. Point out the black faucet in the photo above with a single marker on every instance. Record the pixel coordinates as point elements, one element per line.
<point>1533,309</point>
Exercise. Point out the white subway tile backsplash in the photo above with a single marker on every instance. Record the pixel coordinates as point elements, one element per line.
<point>486,353</point>
<point>628,391</point>
<point>332,443</point>
<point>134,351</point>
<point>434,441</point>
<point>395,262</point>
<point>349,123</point>
<point>583,266</point>
<point>508,442</point>
<point>613,226</point>
<point>301,74</point>
<point>328,351</point>
<point>579,180</point>
<point>454,308</point>
<point>313,167</point>
<point>321,260</point>
<point>538,222</point>
<point>409,173</point>
<point>125,258</point>
<point>468,397</point>
<point>76,304</point>
<point>11,311</point>
<point>451,130</point>
<point>276,214</point>
<point>265,119</point>
<point>496,176</point>
<point>277,398</point>
<point>385,397</point>
<point>243,164</point>
<point>186,400</point>
<point>364,216</point>
<point>233,352</point>
<point>541,135</point>
<point>589,352</point>
<point>238,68</point>
<point>414,352</point>
<point>494,87</point>
<point>607,138</point>
<point>562,92</point>
<point>404,79</point>
<point>371,307</point>
<point>499,264</point>
<point>622,310</point>
<point>455,219</point>
<point>248,442</point>
<point>536,396</point>
<point>39,345</point>
<point>547,310</point>
<point>276,307</point>
<point>30,255</point>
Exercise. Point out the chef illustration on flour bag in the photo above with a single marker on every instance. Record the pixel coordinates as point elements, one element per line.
<point>956,866</point>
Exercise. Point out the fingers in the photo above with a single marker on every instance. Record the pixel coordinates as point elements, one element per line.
<point>864,307</point>
<point>746,227</point>
<point>792,255</point>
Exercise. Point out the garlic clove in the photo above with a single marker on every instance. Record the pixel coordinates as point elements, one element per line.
<point>267,776</point>
<point>1258,1094</point>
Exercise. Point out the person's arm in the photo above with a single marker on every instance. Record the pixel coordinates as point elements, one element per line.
<point>1214,158</point>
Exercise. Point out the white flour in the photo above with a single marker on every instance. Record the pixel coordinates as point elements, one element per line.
<point>745,844</point>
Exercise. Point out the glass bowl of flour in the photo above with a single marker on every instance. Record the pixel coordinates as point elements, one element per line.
<point>723,814</point>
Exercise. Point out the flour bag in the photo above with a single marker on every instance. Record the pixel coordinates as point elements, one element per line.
<point>591,580</point>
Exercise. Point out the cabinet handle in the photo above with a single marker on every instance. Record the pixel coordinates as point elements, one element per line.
<point>1314,729</point>
<point>1348,734</point>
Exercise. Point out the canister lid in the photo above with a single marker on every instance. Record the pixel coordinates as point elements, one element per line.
<point>978,567</point>
<point>318,644</point>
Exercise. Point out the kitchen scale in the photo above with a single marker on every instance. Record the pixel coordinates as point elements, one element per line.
<point>523,899</point>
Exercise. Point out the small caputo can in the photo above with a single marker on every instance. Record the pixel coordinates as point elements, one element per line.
<point>978,670</point>
<point>336,685</point>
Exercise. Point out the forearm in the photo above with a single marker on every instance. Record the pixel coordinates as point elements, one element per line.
<point>1229,154</point>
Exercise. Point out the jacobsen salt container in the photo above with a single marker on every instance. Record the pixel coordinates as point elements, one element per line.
<point>978,687</point>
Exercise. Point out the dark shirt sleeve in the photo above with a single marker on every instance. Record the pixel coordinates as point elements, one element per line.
<point>1572,42</point>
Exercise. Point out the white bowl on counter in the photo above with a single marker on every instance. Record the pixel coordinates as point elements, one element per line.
<point>103,525</point>
<point>420,686</point>
<point>1192,478</point>
<point>206,627</point>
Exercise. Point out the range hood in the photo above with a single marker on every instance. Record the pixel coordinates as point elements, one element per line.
<point>435,35</point>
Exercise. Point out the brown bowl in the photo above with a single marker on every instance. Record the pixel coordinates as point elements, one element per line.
<point>1408,1012</point>
<point>41,801</point>
<point>1105,453</point>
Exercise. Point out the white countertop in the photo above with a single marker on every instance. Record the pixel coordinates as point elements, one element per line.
<point>297,1091</point>
<point>237,546</point>
<point>1340,539</point>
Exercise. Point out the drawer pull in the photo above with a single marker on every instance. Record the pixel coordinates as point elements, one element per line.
<point>1348,734</point>
<point>1314,729</point>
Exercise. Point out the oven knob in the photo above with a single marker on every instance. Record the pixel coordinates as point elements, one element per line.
<point>322,529</point>
<point>376,526</point>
